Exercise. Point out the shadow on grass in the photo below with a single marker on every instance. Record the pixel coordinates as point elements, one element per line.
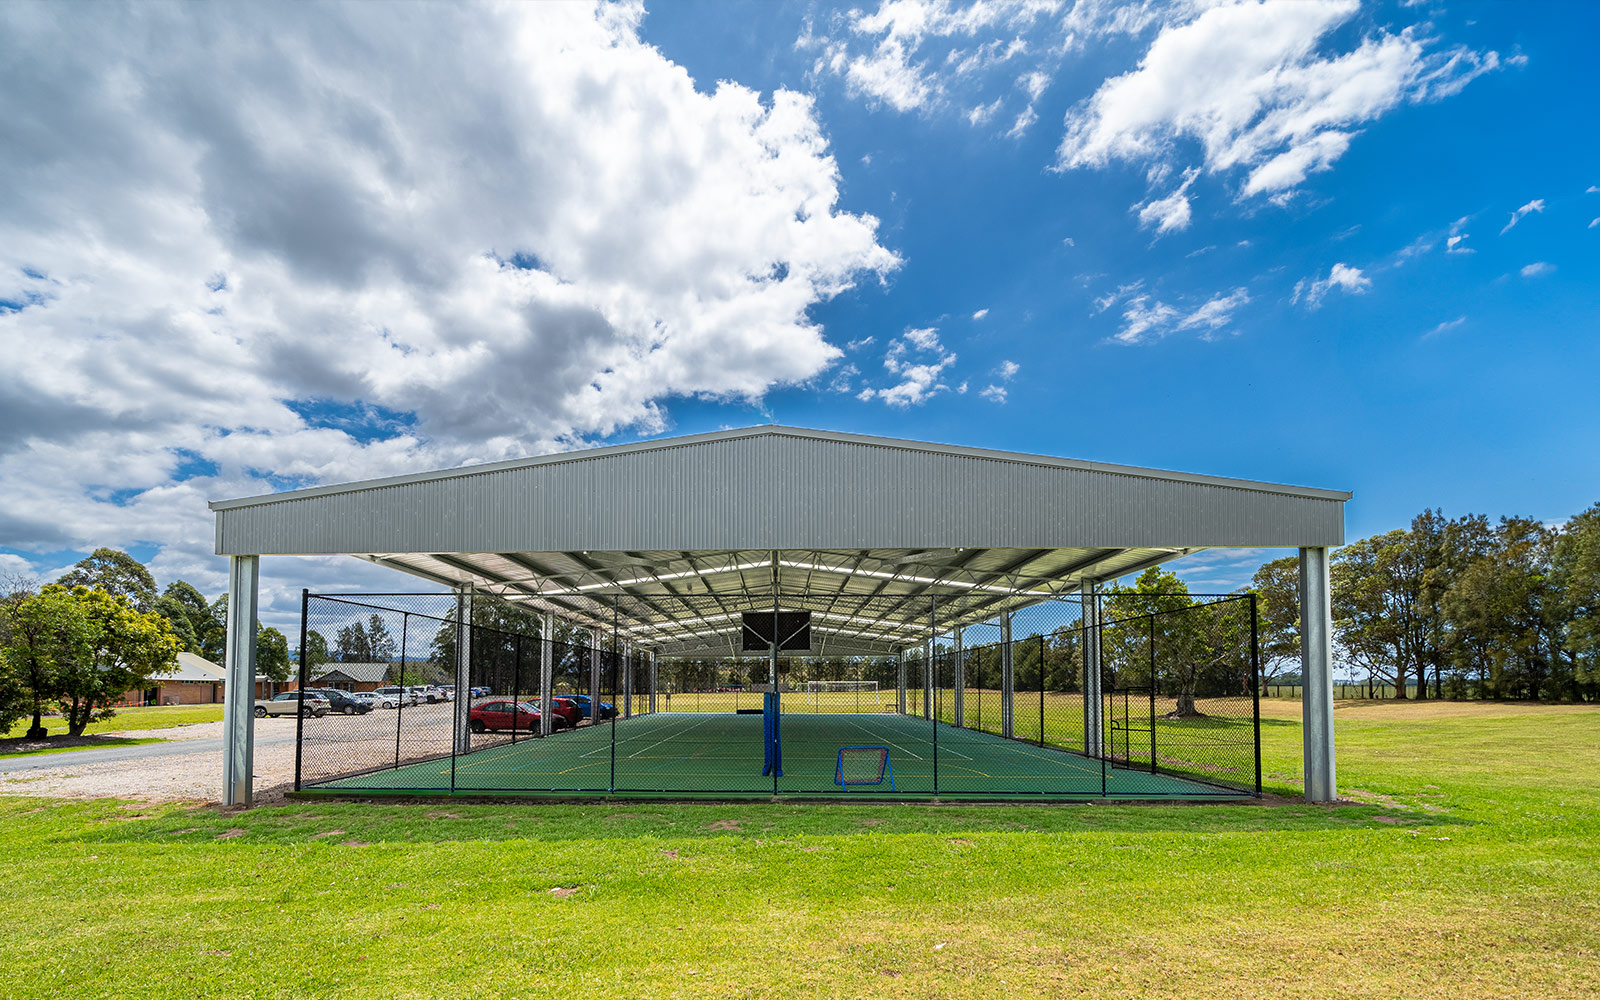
<point>359,824</point>
<point>67,744</point>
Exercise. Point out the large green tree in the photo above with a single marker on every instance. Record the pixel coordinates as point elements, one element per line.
<point>114,572</point>
<point>272,653</point>
<point>1277,588</point>
<point>124,648</point>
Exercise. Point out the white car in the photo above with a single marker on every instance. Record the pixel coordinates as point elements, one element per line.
<point>368,698</point>
<point>428,693</point>
<point>394,696</point>
<point>288,703</point>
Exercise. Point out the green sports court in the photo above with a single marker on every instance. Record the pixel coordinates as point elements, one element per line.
<point>698,754</point>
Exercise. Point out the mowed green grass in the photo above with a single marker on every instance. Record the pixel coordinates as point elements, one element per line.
<point>1474,872</point>
<point>127,719</point>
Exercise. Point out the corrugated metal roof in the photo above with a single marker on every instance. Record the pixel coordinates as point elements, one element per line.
<point>780,488</point>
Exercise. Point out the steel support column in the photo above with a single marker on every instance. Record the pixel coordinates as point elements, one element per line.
<point>547,673</point>
<point>900,663</point>
<point>1093,700</point>
<point>238,710</point>
<point>652,654</point>
<point>1008,686</point>
<point>627,680</point>
<point>927,678</point>
<point>1316,674</point>
<point>462,705</point>
<point>594,676</point>
<point>960,681</point>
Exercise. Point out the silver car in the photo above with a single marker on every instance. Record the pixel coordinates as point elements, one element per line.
<point>288,703</point>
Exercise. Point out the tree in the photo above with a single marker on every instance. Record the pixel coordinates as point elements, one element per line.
<point>182,605</point>
<point>272,653</point>
<point>48,632</point>
<point>1575,571</point>
<point>16,692</point>
<point>1277,588</point>
<point>316,650</point>
<point>380,644</point>
<point>120,648</point>
<point>351,644</point>
<point>116,573</point>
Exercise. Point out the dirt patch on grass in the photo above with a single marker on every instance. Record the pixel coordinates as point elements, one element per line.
<point>237,831</point>
<point>562,892</point>
<point>326,833</point>
<point>725,824</point>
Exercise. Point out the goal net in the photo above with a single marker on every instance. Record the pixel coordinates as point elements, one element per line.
<point>863,766</point>
<point>821,686</point>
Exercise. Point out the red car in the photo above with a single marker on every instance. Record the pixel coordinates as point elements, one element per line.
<point>518,716</point>
<point>566,710</point>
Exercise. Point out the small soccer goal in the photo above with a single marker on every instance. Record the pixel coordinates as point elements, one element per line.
<point>863,766</point>
<point>822,686</point>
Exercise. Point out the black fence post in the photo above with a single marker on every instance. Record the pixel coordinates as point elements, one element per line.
<point>1255,685</point>
<point>616,669</point>
<point>933,677</point>
<point>1041,690</point>
<point>300,717</point>
<point>405,621</point>
<point>516,690</point>
<point>1152,696</point>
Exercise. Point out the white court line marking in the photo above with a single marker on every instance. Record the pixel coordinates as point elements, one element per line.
<point>878,736</point>
<point>668,737</point>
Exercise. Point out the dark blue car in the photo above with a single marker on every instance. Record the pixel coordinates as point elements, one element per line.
<point>607,710</point>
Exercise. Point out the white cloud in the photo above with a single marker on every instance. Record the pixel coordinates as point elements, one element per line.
<point>983,112</point>
<point>1249,84</point>
<point>1343,277</point>
<point>919,361</point>
<point>1145,320</point>
<point>295,242</point>
<point>1445,327</point>
<point>1008,370</point>
<point>1170,213</point>
<point>1594,222</point>
<point>1536,205</point>
<point>980,314</point>
<point>1537,269</point>
<point>1068,241</point>
<point>1592,189</point>
<point>994,393</point>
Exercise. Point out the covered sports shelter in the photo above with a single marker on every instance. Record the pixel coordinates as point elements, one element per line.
<point>939,623</point>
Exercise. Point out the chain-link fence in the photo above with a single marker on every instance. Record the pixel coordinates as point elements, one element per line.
<point>1117,695</point>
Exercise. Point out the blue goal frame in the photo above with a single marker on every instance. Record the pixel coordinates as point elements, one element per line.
<point>885,768</point>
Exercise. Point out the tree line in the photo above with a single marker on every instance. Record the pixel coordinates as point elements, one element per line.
<point>1456,608</point>
<point>78,645</point>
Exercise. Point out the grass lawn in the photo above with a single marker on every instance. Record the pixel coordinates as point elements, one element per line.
<point>1474,872</point>
<point>152,717</point>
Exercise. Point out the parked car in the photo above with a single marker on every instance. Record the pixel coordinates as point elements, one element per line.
<point>449,691</point>
<point>480,691</point>
<point>427,693</point>
<point>566,711</point>
<point>289,703</point>
<point>586,704</point>
<point>502,714</point>
<point>342,702</point>
<point>366,698</point>
<point>398,695</point>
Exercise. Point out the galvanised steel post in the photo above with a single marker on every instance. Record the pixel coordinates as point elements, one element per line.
<point>1255,685</point>
<point>1093,699</point>
<point>960,680</point>
<point>1316,672</point>
<point>238,747</point>
<point>399,705</point>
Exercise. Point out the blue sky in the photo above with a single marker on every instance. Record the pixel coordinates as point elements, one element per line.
<point>1339,246</point>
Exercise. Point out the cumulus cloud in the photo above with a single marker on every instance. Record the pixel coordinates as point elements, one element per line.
<point>1537,269</point>
<point>1146,319</point>
<point>1250,85</point>
<point>994,393</point>
<point>1342,276</point>
<point>980,314</point>
<point>270,247</point>
<point>918,360</point>
<point>1536,205</point>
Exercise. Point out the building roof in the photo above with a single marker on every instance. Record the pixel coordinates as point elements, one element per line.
<point>195,668</point>
<point>695,528</point>
<point>361,673</point>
